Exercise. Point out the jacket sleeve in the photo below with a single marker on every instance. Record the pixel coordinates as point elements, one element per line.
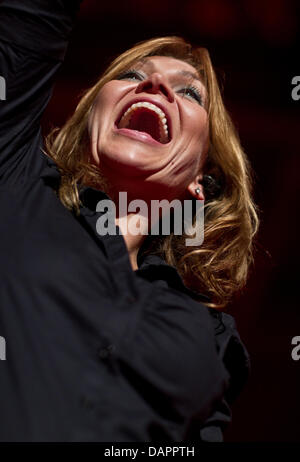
<point>172,360</point>
<point>33,42</point>
<point>232,352</point>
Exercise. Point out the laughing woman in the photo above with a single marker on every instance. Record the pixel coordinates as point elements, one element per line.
<point>117,337</point>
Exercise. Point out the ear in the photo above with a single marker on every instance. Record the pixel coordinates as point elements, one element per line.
<point>195,188</point>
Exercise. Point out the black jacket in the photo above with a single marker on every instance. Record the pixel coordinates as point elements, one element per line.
<point>94,350</point>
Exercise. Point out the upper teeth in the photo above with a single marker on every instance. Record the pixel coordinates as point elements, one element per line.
<point>163,125</point>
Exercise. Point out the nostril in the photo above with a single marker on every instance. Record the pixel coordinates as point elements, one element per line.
<point>164,90</point>
<point>146,85</point>
<point>155,85</point>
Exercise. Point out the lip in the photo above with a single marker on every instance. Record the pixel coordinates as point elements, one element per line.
<point>139,136</point>
<point>156,103</point>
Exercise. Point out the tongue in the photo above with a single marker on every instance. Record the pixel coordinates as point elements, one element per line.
<point>145,121</point>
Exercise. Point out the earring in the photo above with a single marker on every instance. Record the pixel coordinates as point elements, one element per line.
<point>197,190</point>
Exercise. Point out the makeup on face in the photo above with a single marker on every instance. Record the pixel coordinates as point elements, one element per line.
<point>153,119</point>
<point>149,127</point>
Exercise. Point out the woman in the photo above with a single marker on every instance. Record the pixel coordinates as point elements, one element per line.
<point>115,337</point>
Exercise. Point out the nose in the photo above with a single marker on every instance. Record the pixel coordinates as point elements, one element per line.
<point>156,83</point>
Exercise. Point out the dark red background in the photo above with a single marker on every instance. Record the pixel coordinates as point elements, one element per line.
<point>253,45</point>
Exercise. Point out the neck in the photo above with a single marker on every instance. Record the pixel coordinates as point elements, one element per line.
<point>134,228</point>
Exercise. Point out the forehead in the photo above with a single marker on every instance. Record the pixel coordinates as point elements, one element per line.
<point>168,65</point>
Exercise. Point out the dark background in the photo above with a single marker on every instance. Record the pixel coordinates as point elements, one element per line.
<point>253,46</point>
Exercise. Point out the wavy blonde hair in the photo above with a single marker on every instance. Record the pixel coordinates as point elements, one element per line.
<point>219,267</point>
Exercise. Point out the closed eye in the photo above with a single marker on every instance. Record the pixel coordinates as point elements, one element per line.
<point>130,74</point>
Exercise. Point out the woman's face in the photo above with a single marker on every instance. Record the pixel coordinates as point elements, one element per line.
<point>149,129</point>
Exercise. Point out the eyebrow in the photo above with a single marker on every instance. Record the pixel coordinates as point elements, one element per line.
<point>190,74</point>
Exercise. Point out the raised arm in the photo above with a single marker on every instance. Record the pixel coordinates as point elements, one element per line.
<point>33,41</point>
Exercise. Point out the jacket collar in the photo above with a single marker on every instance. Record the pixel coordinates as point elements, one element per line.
<point>154,267</point>
<point>151,266</point>
<point>50,173</point>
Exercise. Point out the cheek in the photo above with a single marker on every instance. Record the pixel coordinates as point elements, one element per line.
<point>94,114</point>
<point>98,119</point>
<point>106,105</point>
<point>111,93</point>
<point>198,136</point>
<point>201,138</point>
<point>199,123</point>
<point>196,145</point>
<point>196,123</point>
<point>91,120</point>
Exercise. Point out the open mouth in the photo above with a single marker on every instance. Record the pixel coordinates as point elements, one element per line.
<point>148,118</point>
